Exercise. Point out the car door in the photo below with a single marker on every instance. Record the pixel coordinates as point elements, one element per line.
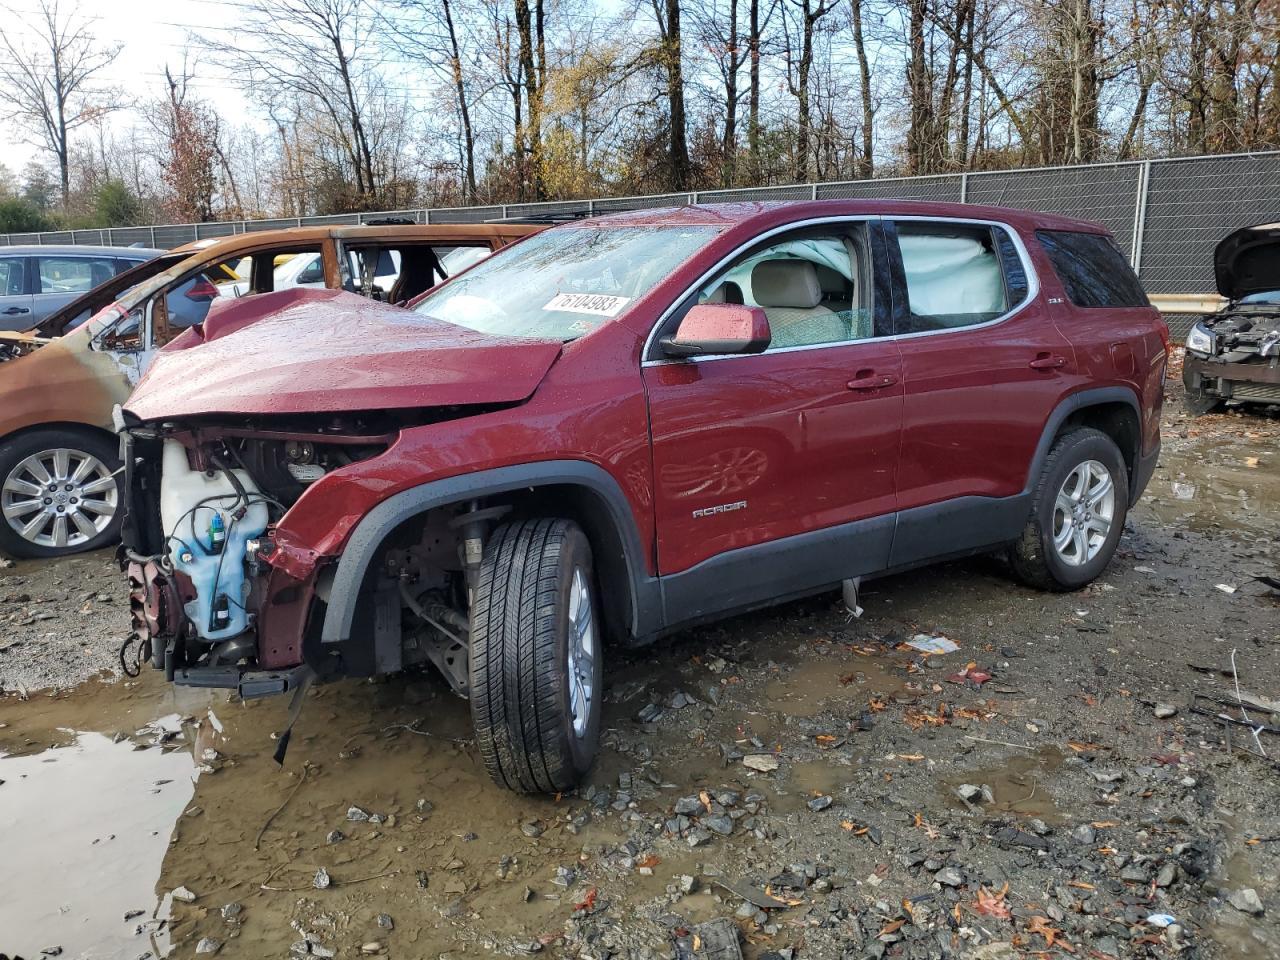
<point>59,279</point>
<point>775,473</point>
<point>983,368</point>
<point>15,294</point>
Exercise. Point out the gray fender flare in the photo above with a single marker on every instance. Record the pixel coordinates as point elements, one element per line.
<point>362,546</point>
<point>1069,405</point>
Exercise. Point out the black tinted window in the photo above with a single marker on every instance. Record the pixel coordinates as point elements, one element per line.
<point>1092,270</point>
<point>1015,274</point>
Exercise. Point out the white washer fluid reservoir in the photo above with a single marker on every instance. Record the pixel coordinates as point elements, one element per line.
<point>208,523</point>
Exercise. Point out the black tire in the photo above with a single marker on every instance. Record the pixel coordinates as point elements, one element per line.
<point>1034,558</point>
<point>521,702</point>
<point>14,452</point>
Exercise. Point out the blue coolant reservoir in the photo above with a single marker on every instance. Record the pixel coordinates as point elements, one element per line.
<point>208,524</point>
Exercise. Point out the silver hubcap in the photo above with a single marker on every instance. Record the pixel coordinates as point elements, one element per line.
<point>59,498</point>
<point>1083,513</point>
<point>582,654</point>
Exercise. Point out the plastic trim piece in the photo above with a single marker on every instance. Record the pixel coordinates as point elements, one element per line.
<point>363,544</point>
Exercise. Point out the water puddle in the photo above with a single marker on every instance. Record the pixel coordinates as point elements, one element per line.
<point>1018,787</point>
<point>840,683</point>
<point>86,830</point>
<point>1227,484</point>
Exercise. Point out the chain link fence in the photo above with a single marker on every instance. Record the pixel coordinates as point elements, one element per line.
<point>1167,215</point>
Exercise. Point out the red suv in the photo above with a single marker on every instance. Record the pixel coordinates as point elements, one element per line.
<point>623,426</point>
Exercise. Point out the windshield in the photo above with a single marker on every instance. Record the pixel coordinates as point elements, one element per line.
<point>1269,296</point>
<point>562,284</point>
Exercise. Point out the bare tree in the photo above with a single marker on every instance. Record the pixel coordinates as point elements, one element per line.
<point>434,39</point>
<point>320,52</point>
<point>50,89</point>
<point>808,14</point>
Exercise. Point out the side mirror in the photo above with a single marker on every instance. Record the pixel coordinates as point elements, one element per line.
<point>712,328</point>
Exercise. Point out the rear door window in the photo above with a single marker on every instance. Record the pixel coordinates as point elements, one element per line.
<point>1092,269</point>
<point>72,274</point>
<point>954,273</point>
<point>12,276</point>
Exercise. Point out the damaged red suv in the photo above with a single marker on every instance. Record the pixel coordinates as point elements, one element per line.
<point>623,426</point>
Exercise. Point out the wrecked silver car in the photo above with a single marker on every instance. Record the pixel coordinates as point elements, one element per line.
<point>1234,354</point>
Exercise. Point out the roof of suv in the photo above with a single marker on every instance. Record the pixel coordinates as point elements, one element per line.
<point>79,249</point>
<point>764,213</point>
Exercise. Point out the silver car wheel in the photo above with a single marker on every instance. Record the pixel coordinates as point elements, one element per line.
<point>59,498</point>
<point>1083,513</point>
<point>581,654</point>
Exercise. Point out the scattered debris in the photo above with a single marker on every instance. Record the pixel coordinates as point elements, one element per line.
<point>932,644</point>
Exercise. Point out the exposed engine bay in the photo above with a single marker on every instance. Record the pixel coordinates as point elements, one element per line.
<point>1233,355</point>
<point>213,598</point>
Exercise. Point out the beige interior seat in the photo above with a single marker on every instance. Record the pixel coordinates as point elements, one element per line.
<point>791,296</point>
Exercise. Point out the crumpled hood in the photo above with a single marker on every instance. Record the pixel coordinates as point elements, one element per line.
<point>328,351</point>
<point>1248,261</point>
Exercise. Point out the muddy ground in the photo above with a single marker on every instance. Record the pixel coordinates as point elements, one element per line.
<point>136,820</point>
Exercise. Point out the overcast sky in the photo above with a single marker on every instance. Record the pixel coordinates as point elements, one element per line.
<point>153,33</point>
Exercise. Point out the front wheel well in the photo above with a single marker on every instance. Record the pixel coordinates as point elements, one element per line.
<point>433,539</point>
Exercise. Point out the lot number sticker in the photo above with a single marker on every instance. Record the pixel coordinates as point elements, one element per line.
<point>595,303</point>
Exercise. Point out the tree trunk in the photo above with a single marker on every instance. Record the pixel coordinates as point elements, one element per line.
<point>464,111</point>
<point>528,72</point>
<point>729,143</point>
<point>919,92</point>
<point>681,173</point>
<point>865,163</point>
<point>753,104</point>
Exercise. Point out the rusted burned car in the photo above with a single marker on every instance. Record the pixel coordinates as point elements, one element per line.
<point>60,476</point>
<point>1234,354</point>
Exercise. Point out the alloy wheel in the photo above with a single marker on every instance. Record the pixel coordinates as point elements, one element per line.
<point>1083,513</point>
<point>59,498</point>
<point>581,654</point>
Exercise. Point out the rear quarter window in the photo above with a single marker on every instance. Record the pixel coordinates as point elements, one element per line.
<point>1092,269</point>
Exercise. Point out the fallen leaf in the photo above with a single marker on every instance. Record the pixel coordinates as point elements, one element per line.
<point>990,903</point>
<point>1104,824</point>
<point>588,902</point>
<point>1051,935</point>
<point>649,860</point>
<point>1079,747</point>
<point>930,831</point>
<point>789,902</point>
<point>706,799</point>
<point>1081,885</point>
<point>892,927</point>
<point>825,739</point>
<point>911,756</point>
